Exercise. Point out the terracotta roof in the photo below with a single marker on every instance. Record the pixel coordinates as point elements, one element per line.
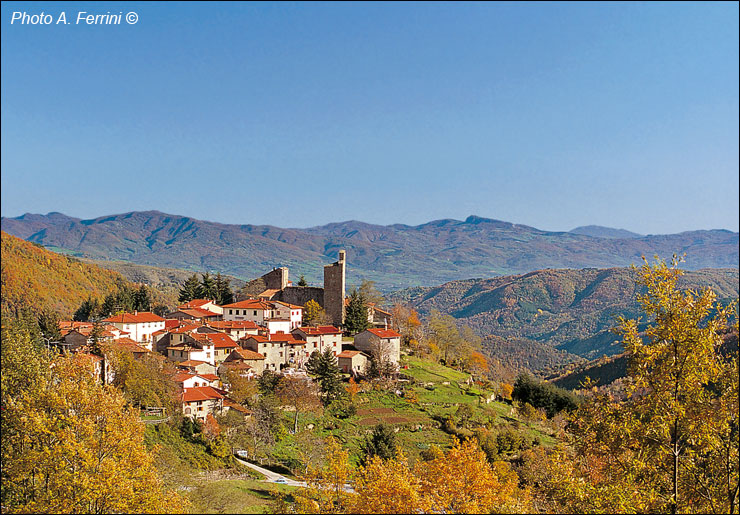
<point>348,353</point>
<point>171,323</point>
<point>233,324</point>
<point>322,329</point>
<point>192,362</point>
<point>72,324</point>
<point>181,377</point>
<point>231,404</point>
<point>195,303</point>
<point>249,304</point>
<point>200,393</point>
<point>197,312</point>
<point>291,306</point>
<point>244,354</point>
<point>385,333</point>
<point>185,328</point>
<point>218,340</point>
<point>134,318</point>
<point>210,377</point>
<point>237,364</point>
<point>276,337</point>
<point>268,293</point>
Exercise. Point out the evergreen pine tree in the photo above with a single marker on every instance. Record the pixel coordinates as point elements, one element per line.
<point>356,315</point>
<point>224,295</point>
<point>142,299</point>
<point>381,443</point>
<point>323,366</point>
<point>302,281</point>
<point>207,287</point>
<point>190,289</point>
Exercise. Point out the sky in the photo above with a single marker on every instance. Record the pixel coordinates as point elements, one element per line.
<point>553,115</point>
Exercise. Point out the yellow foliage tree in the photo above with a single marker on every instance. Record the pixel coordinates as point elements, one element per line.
<point>672,445</point>
<point>70,444</point>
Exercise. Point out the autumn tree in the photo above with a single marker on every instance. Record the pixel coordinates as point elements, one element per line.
<point>144,381</point>
<point>326,490</point>
<point>49,325</point>
<point>241,388</point>
<point>672,445</point>
<point>406,322</point>
<point>455,344</point>
<point>300,394</point>
<point>477,364</point>
<point>370,294</point>
<point>70,444</point>
<point>314,314</point>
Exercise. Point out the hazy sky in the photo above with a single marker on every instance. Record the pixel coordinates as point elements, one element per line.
<point>550,115</point>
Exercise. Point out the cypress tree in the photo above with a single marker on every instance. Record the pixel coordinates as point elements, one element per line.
<point>356,315</point>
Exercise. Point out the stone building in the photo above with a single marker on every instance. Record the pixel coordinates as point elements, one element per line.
<point>276,286</point>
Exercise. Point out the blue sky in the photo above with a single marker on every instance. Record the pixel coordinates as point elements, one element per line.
<point>546,114</point>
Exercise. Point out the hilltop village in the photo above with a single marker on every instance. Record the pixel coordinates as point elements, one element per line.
<point>205,340</point>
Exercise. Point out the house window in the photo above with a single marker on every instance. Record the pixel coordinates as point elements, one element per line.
<point>230,313</point>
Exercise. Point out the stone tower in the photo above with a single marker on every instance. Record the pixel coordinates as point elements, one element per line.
<point>277,279</point>
<point>334,276</point>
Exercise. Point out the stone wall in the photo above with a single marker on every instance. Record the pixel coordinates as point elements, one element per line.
<point>299,295</point>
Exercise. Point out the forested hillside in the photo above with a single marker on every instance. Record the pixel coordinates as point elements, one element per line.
<point>570,310</point>
<point>42,280</point>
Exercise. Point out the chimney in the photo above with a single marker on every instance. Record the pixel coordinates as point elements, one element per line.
<point>342,254</point>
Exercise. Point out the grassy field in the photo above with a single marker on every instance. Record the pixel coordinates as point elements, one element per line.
<point>236,496</point>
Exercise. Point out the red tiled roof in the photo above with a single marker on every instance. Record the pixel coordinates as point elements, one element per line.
<point>276,337</point>
<point>186,328</point>
<point>235,405</point>
<point>197,312</point>
<point>195,303</point>
<point>249,304</point>
<point>200,393</point>
<point>210,377</point>
<point>233,324</point>
<point>322,329</point>
<point>244,354</point>
<point>348,353</point>
<point>72,324</point>
<point>218,340</point>
<point>191,362</point>
<point>385,333</point>
<point>291,306</point>
<point>181,377</point>
<point>134,318</point>
<point>171,323</point>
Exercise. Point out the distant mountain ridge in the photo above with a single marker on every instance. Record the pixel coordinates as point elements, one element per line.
<point>599,231</point>
<point>395,256</point>
<point>568,310</point>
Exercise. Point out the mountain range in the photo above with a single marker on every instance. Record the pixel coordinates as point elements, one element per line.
<point>548,318</point>
<point>395,256</point>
